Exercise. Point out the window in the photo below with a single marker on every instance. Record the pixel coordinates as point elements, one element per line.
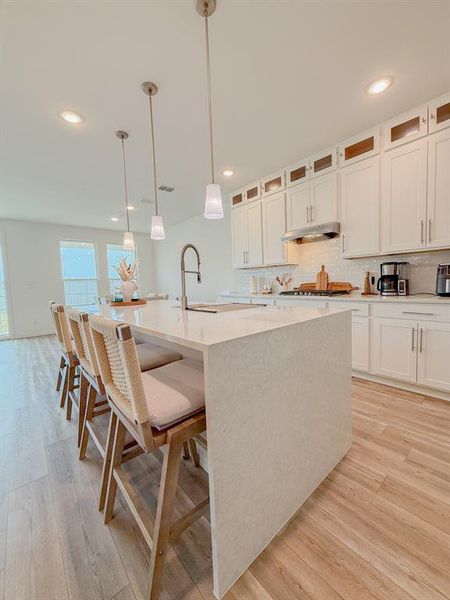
<point>4,328</point>
<point>115,253</point>
<point>79,272</point>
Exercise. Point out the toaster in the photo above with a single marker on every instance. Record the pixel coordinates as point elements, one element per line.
<point>443,280</point>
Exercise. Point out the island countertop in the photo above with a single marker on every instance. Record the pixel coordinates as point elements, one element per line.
<point>164,319</point>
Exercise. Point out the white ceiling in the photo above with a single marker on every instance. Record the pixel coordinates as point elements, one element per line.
<point>288,78</point>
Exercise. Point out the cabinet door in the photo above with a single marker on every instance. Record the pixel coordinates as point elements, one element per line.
<point>297,206</point>
<point>404,197</point>
<point>297,173</point>
<point>405,128</point>
<point>394,344</point>
<point>434,355</point>
<point>239,236</point>
<point>254,257</point>
<point>323,200</point>
<point>237,198</point>
<point>274,226</point>
<point>360,208</point>
<point>252,192</point>
<point>439,112</point>
<point>359,147</point>
<point>360,343</point>
<point>273,183</point>
<point>438,201</point>
<point>323,162</point>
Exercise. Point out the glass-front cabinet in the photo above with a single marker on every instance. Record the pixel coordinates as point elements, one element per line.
<point>405,128</point>
<point>323,162</point>
<point>237,198</point>
<point>297,173</point>
<point>358,147</point>
<point>273,183</point>
<point>252,192</point>
<point>439,113</point>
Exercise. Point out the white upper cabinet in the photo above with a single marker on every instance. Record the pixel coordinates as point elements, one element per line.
<point>433,347</point>
<point>323,199</point>
<point>323,162</point>
<point>438,201</point>
<point>252,192</point>
<point>254,255</point>
<point>359,147</point>
<point>237,198</point>
<point>404,189</point>
<point>297,206</point>
<point>405,128</point>
<point>273,183</point>
<point>274,226</point>
<point>298,172</point>
<point>360,208</point>
<point>439,114</point>
<point>239,236</point>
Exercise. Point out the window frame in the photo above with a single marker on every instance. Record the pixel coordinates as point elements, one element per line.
<point>92,243</point>
<point>120,247</point>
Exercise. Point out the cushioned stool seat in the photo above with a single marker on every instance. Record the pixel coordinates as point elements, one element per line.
<point>152,356</point>
<point>174,391</point>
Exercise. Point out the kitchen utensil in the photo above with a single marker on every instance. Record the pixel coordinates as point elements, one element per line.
<point>322,279</point>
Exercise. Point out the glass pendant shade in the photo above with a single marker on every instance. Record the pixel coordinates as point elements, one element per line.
<point>157,232</point>
<point>128,240</point>
<point>213,203</point>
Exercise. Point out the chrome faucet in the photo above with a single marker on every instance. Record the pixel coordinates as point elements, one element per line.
<point>184,300</point>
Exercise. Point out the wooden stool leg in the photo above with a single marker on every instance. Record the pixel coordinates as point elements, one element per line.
<point>84,384</point>
<point>107,460</point>
<point>186,453</point>
<point>194,452</point>
<point>119,443</point>
<point>166,498</point>
<point>70,384</point>
<point>88,414</point>
<point>62,362</point>
<point>65,387</point>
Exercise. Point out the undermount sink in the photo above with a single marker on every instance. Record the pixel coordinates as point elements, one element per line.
<point>219,308</point>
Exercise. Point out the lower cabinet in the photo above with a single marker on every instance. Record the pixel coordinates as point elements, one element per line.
<point>360,344</point>
<point>394,343</point>
<point>433,351</point>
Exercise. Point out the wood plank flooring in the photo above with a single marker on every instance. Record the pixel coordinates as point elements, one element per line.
<point>377,527</point>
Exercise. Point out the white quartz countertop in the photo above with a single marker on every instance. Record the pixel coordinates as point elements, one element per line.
<point>166,320</point>
<point>353,296</point>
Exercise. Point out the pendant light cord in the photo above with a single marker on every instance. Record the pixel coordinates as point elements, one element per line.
<point>125,184</point>
<point>152,129</point>
<point>208,77</point>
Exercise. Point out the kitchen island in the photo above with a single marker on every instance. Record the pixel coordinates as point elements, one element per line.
<point>278,412</point>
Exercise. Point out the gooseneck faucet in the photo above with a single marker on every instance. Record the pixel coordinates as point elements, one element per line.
<point>184,300</point>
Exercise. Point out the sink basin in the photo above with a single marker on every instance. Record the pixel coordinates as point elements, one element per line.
<point>220,308</point>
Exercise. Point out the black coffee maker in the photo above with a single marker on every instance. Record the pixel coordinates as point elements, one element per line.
<point>393,281</point>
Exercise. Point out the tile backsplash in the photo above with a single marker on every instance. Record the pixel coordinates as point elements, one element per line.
<point>422,267</point>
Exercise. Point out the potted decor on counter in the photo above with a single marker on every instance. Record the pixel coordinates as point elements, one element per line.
<point>127,274</point>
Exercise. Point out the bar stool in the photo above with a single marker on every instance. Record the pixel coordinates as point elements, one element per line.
<point>158,407</point>
<point>68,364</point>
<point>92,398</point>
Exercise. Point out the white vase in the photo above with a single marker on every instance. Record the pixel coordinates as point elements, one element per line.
<point>127,288</point>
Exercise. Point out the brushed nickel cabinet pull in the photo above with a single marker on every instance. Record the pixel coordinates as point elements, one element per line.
<point>432,115</point>
<point>412,339</point>
<point>412,312</point>
<point>307,213</point>
<point>429,230</point>
<point>421,231</point>
<point>421,340</point>
<point>343,243</point>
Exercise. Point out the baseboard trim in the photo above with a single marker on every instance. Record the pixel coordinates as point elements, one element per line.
<point>403,385</point>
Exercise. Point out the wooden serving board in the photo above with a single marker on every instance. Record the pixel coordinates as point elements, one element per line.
<point>133,303</point>
<point>334,286</point>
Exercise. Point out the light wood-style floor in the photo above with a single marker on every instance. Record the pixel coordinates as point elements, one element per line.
<point>378,526</point>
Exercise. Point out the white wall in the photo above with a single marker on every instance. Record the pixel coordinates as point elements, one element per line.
<point>33,268</point>
<point>212,239</point>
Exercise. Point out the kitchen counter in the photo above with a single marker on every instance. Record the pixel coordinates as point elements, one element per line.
<point>353,296</point>
<point>278,412</point>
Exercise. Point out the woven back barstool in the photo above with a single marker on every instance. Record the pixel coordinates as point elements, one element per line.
<point>164,406</point>
<point>68,364</point>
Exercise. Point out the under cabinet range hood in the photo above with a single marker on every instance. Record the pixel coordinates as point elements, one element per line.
<point>313,233</point>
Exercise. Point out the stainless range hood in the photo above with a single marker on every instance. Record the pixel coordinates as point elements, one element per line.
<point>313,233</point>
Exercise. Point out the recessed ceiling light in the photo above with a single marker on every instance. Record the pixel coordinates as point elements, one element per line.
<point>228,172</point>
<point>129,207</point>
<point>114,219</point>
<point>379,86</point>
<point>70,117</point>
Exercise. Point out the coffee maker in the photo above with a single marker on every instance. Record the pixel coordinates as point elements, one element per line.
<point>393,280</point>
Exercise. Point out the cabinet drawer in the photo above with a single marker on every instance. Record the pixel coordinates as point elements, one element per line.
<point>360,309</point>
<point>416,312</point>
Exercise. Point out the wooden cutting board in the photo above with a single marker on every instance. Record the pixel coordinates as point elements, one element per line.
<point>322,280</point>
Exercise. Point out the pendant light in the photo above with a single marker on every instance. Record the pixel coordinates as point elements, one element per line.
<point>128,237</point>
<point>213,202</point>
<point>157,230</point>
